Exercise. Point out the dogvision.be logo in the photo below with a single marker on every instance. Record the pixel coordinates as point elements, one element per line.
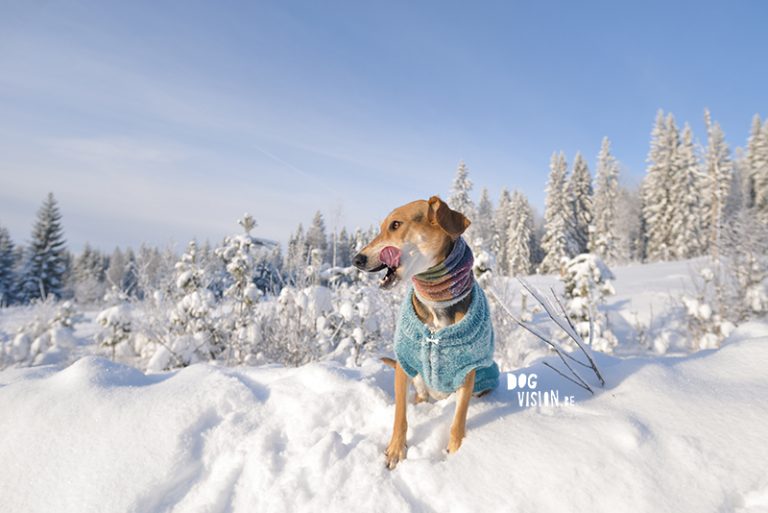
<point>529,397</point>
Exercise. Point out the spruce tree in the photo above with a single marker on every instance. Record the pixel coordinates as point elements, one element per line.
<point>657,203</point>
<point>88,274</point>
<point>317,240</point>
<point>686,215</point>
<point>520,236</point>
<point>116,269</point>
<point>45,263</point>
<point>501,219</point>
<point>7,269</point>
<point>718,170</point>
<point>554,244</point>
<point>483,222</point>
<point>580,199</point>
<point>130,278</point>
<point>343,258</point>
<point>757,168</point>
<point>459,198</point>
<point>603,238</point>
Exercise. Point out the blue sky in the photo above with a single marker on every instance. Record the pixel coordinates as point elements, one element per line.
<point>160,121</point>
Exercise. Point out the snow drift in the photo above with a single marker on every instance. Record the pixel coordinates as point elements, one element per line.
<point>668,434</point>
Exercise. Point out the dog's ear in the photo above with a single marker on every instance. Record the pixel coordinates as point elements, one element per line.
<point>453,223</point>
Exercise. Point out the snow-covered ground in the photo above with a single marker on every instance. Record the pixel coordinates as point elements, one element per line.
<point>678,432</point>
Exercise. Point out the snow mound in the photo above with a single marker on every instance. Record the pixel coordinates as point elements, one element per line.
<point>670,434</point>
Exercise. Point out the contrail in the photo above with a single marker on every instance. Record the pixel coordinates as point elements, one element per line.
<point>294,168</point>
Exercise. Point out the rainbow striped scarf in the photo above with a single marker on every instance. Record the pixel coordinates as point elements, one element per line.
<point>448,282</point>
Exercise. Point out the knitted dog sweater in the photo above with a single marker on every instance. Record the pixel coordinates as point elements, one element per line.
<point>445,357</point>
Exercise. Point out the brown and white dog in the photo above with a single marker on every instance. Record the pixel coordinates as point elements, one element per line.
<point>424,232</point>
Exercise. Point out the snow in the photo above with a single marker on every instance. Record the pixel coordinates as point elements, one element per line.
<point>671,434</point>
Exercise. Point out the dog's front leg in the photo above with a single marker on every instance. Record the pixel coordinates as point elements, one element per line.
<point>458,427</point>
<point>396,449</point>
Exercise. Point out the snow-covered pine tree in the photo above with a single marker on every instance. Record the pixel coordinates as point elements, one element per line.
<point>629,231</point>
<point>7,269</point>
<point>685,196</point>
<point>657,203</point>
<point>461,189</point>
<point>501,219</point>
<point>89,275</point>
<point>483,222</point>
<point>751,158</point>
<point>587,282</point>
<point>45,263</point>
<point>718,170</point>
<point>603,237</point>
<point>461,201</point>
<point>317,240</point>
<point>579,190</point>
<point>520,236</point>
<point>555,244</point>
<point>116,269</point>
<point>296,257</point>
<point>757,168</point>
<point>196,333</point>
<point>241,255</point>
<point>129,278</point>
<point>343,258</point>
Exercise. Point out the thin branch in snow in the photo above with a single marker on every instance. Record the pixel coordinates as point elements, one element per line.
<point>564,323</point>
<point>586,352</point>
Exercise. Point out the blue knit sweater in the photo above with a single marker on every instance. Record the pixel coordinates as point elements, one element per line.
<point>445,357</point>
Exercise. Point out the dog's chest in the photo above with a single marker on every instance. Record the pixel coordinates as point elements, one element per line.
<point>423,391</point>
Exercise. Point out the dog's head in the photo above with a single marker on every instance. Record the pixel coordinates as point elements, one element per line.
<point>412,239</point>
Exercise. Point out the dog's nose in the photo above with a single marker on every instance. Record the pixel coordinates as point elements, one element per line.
<point>359,261</point>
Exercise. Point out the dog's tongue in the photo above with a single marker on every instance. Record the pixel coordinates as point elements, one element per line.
<point>390,255</point>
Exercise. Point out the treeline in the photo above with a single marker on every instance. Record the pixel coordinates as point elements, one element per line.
<point>696,199</point>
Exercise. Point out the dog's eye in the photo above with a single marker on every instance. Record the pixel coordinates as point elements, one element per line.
<point>395,225</point>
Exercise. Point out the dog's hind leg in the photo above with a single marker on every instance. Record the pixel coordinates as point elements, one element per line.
<point>396,449</point>
<point>458,427</point>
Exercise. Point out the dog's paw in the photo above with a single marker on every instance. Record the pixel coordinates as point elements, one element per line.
<point>454,442</point>
<point>395,453</point>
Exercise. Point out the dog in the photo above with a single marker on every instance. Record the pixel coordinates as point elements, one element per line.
<point>444,339</point>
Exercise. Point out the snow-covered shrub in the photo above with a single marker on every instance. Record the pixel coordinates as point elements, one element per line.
<point>587,283</point>
<point>314,322</point>
<point>115,321</point>
<point>195,329</point>
<point>731,289</point>
<point>745,266</point>
<point>242,255</point>
<point>116,324</point>
<point>368,317</point>
<point>47,338</point>
<point>706,311</point>
<point>483,266</point>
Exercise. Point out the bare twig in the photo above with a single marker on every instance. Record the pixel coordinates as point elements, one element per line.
<point>592,363</point>
<point>567,326</point>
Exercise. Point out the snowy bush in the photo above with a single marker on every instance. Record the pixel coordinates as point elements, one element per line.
<point>243,256</point>
<point>483,266</point>
<point>116,324</point>
<point>47,338</point>
<point>587,283</point>
<point>707,313</point>
<point>196,333</point>
<point>314,322</point>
